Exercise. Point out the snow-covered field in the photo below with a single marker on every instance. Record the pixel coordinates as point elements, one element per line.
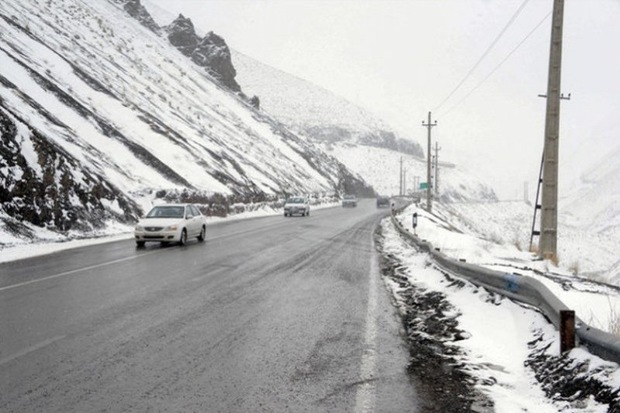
<point>500,335</point>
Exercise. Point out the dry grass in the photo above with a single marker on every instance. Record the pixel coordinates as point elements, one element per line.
<point>613,322</point>
<point>555,259</point>
<point>516,241</point>
<point>614,319</point>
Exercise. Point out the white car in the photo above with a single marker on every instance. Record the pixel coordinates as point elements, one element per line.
<point>349,201</point>
<point>297,205</point>
<point>171,223</point>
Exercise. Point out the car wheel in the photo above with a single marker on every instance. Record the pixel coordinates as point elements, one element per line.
<point>183,239</point>
<point>201,236</point>
<point>308,213</point>
<point>140,244</point>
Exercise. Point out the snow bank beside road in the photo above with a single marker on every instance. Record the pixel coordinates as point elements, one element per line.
<point>499,365</point>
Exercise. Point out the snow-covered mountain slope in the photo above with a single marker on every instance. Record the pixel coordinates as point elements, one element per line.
<point>594,199</point>
<point>381,168</point>
<point>97,110</point>
<point>592,208</point>
<point>313,111</point>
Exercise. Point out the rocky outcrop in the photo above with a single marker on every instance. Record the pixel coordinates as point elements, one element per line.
<point>210,52</point>
<point>182,35</point>
<point>139,12</point>
<point>213,54</point>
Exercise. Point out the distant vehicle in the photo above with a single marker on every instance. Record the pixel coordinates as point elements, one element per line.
<point>297,205</point>
<point>171,223</point>
<point>383,202</point>
<point>349,201</point>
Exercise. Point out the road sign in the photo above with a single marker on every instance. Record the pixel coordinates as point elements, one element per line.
<point>423,185</point>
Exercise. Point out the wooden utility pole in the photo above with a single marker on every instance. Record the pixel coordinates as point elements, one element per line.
<point>429,195</point>
<point>549,214</point>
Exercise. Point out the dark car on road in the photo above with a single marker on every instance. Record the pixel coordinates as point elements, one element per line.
<point>383,202</point>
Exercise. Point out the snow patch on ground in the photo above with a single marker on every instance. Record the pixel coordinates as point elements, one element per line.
<point>511,350</point>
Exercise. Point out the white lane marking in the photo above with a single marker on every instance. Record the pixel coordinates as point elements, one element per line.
<point>62,274</point>
<point>365,398</point>
<point>31,349</point>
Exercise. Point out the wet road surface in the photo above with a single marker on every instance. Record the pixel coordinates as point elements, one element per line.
<point>268,315</point>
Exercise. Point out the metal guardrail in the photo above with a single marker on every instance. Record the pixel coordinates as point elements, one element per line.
<point>523,289</point>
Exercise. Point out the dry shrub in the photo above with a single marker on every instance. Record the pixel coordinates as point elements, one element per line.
<point>516,241</point>
<point>574,268</point>
<point>496,239</point>
<point>614,323</point>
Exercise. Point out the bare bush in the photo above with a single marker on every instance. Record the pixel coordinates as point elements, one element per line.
<point>574,268</point>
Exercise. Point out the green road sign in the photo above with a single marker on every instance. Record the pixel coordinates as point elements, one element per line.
<point>423,185</point>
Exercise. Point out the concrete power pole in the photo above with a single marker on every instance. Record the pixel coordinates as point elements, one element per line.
<point>549,214</point>
<point>436,186</point>
<point>429,195</point>
<point>400,189</point>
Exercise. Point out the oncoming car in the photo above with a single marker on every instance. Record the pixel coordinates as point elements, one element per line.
<point>297,205</point>
<point>171,223</point>
<point>349,201</point>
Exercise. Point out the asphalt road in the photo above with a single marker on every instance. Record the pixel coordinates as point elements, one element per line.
<point>268,315</point>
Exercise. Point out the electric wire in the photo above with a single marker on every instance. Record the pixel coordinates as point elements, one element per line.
<point>499,36</point>
<point>498,66</point>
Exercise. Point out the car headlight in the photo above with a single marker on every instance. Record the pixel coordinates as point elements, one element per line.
<point>139,228</point>
<point>171,228</point>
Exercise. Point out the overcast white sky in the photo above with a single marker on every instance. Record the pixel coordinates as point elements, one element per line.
<point>402,59</point>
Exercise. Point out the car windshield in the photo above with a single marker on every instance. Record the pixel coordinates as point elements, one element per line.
<point>295,201</point>
<point>166,212</point>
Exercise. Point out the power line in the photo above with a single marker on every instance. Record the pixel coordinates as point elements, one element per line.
<point>499,65</point>
<point>512,19</point>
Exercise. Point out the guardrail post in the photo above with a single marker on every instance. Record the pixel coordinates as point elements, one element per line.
<point>567,330</point>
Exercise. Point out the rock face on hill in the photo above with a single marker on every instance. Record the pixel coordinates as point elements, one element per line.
<point>139,12</point>
<point>210,52</point>
<point>182,35</point>
<point>213,54</point>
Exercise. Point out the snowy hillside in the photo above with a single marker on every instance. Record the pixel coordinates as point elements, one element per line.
<point>316,112</point>
<point>99,111</point>
<point>590,211</point>
<point>352,135</point>
<point>381,169</point>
